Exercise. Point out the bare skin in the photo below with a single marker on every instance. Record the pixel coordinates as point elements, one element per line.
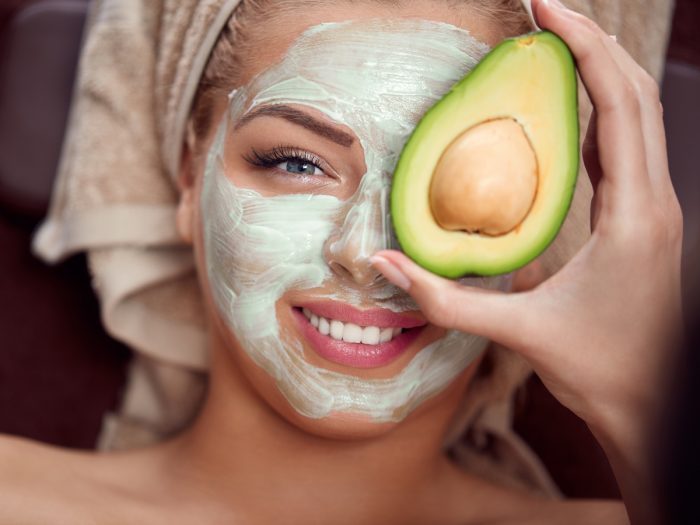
<point>250,458</point>
<point>613,312</point>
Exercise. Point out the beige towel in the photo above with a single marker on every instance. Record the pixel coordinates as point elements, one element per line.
<point>115,198</point>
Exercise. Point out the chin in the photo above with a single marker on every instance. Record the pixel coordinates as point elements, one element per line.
<point>355,427</point>
<point>341,425</point>
<point>261,387</point>
<point>335,425</point>
<point>338,425</point>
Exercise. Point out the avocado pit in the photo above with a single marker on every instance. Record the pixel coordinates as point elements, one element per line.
<point>486,180</point>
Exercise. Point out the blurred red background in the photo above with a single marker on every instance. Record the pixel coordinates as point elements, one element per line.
<point>59,371</point>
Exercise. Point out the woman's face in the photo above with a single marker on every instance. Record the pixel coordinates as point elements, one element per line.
<point>292,202</point>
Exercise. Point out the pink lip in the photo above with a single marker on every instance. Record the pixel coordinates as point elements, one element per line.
<point>355,355</point>
<point>380,317</point>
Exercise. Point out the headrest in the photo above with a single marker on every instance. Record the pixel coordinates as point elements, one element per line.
<point>37,69</point>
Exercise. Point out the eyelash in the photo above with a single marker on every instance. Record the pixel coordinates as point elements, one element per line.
<point>270,159</point>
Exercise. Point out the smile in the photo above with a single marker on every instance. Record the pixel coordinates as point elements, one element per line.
<point>357,338</point>
<point>350,332</point>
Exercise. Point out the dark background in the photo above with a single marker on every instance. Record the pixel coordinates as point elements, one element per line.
<point>59,371</point>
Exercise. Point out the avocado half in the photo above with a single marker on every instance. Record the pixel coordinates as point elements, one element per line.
<point>529,80</point>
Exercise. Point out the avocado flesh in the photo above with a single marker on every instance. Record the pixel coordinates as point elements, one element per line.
<point>532,80</point>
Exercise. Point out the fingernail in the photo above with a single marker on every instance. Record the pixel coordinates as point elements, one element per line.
<point>390,271</point>
<point>614,37</point>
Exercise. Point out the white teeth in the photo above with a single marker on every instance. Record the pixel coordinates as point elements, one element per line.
<point>370,335</point>
<point>350,332</point>
<point>323,326</point>
<point>386,335</point>
<point>337,330</point>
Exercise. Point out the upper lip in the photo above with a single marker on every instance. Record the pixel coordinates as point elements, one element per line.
<point>380,317</point>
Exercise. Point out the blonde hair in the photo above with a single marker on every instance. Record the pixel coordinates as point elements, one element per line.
<point>236,44</point>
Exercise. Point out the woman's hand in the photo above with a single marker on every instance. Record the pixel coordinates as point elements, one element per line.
<point>598,332</point>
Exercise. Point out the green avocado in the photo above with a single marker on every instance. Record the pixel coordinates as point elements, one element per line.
<point>485,181</point>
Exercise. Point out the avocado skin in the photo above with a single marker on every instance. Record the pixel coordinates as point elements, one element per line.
<point>446,254</point>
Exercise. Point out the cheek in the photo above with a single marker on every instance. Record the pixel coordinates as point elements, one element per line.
<point>257,247</point>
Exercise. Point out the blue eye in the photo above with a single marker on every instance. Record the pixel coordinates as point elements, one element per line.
<point>288,160</point>
<point>300,166</point>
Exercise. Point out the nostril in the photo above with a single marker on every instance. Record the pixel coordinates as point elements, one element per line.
<point>363,274</point>
<point>378,277</point>
<point>341,271</point>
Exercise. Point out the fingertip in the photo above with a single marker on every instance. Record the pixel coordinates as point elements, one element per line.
<point>378,259</point>
<point>390,270</point>
<point>418,277</point>
<point>538,12</point>
<point>404,262</point>
<point>546,11</point>
<point>384,253</point>
<point>394,256</point>
<point>534,9</point>
<point>565,22</point>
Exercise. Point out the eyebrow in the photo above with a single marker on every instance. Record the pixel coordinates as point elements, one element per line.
<point>299,118</point>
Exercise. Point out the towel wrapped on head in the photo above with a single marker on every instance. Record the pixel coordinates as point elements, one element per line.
<point>116,194</point>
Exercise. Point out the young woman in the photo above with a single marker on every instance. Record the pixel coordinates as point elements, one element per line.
<point>283,179</point>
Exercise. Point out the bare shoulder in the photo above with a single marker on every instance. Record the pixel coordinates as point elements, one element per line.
<point>24,459</point>
<point>583,512</point>
<point>538,511</point>
<point>498,504</point>
<point>41,483</point>
<point>25,467</point>
<point>38,482</point>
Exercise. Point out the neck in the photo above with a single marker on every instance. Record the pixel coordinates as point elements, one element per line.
<point>246,454</point>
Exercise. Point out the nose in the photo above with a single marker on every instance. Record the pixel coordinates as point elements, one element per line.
<point>364,230</point>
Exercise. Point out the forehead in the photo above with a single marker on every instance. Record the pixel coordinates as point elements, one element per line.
<point>270,33</point>
<point>400,56</point>
<point>376,74</point>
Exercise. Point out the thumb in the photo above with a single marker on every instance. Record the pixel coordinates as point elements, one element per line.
<point>489,313</point>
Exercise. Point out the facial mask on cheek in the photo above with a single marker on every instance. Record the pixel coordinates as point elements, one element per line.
<point>377,77</point>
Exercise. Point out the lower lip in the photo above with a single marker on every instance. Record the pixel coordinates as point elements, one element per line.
<point>356,355</point>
